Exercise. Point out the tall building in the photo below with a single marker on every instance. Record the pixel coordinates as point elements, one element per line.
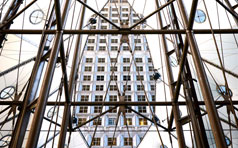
<point>115,68</point>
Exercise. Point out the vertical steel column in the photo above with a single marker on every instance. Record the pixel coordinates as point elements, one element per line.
<point>72,79</point>
<point>205,88</point>
<point>44,92</point>
<point>179,128</point>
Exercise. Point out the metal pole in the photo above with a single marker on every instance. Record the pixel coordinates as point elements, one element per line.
<point>205,88</point>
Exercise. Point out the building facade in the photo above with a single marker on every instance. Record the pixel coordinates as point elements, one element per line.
<point>115,68</point>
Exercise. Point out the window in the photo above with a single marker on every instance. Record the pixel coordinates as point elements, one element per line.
<point>101,60</point>
<point>114,9</point>
<point>151,78</point>
<point>149,60</point>
<point>90,48</point>
<point>127,98</point>
<point>87,78</point>
<point>102,41</point>
<point>111,141</point>
<point>152,87</point>
<point>97,109</point>
<point>126,60</point>
<point>98,98</point>
<point>128,121</point>
<point>115,21</point>
<point>138,48</point>
<point>113,88</point>
<point>151,68</point>
<point>140,78</point>
<point>97,121</point>
<point>92,27</point>
<point>103,21</point>
<point>135,21</point>
<point>114,48</point>
<point>89,60</point>
<point>127,87</point>
<point>101,68</point>
<point>111,121</point>
<point>96,142</point>
<point>142,121</point>
<point>113,60</point>
<point>112,111</point>
<point>105,9</point>
<point>140,87</point>
<point>153,97</point>
<point>99,87</point>
<point>81,120</point>
<point>125,48</point>
<point>126,68</point>
<point>139,68</point>
<point>88,68</point>
<point>124,9</point>
<point>126,78</point>
<point>200,16</point>
<point>127,141</point>
<point>102,48</point>
<point>114,40</point>
<point>141,98</point>
<point>84,98</point>
<point>91,40</point>
<point>103,27</point>
<point>86,87</point>
<point>100,78</point>
<point>137,40</point>
<point>113,68</point>
<point>139,60</point>
<point>113,78</point>
<point>113,98</point>
<point>114,15</point>
<point>124,15</point>
<point>105,15</point>
<point>83,109</point>
<point>142,109</point>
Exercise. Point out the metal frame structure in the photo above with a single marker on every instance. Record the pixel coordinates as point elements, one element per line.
<point>55,29</point>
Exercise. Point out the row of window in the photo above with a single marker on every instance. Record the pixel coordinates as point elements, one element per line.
<point>113,98</point>
<point>115,88</point>
<point>112,121</point>
<point>112,40</point>
<point>112,141</point>
<point>115,77</point>
<point>113,48</point>
<point>114,60</point>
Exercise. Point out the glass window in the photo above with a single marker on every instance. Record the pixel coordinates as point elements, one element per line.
<point>126,60</point>
<point>113,78</point>
<point>200,16</point>
<point>103,21</point>
<point>111,121</point>
<point>99,87</point>
<point>102,41</point>
<point>152,87</point>
<point>87,78</point>
<point>138,48</point>
<point>114,15</point>
<point>97,121</point>
<point>139,60</point>
<point>112,111</point>
<point>114,9</point>
<point>128,121</point>
<point>88,68</point>
<point>86,87</point>
<point>127,98</point>
<point>81,120</point>
<point>141,98</point>
<point>125,48</point>
<point>127,141</point>
<point>139,68</point>
<point>91,40</point>
<point>124,15</point>
<point>140,87</point>
<point>137,40</point>
<point>114,40</point>
<point>113,60</point>
<point>98,98</point>
<point>126,78</point>
<point>89,60</point>
<point>102,48</point>
<point>124,9</point>
<point>103,27</point>
<point>115,21</point>
<point>93,27</point>
<point>111,141</point>
<point>113,88</point>
<point>151,68</point>
<point>140,78</point>
<point>101,60</point>
<point>84,98</point>
<point>90,48</point>
<point>114,48</point>
<point>96,142</point>
<point>83,109</point>
<point>153,97</point>
<point>105,15</point>
<point>105,9</point>
<point>100,78</point>
<point>149,60</point>
<point>101,68</point>
<point>113,98</point>
<point>97,109</point>
<point>126,68</point>
<point>113,68</point>
<point>142,121</point>
<point>142,109</point>
<point>127,87</point>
